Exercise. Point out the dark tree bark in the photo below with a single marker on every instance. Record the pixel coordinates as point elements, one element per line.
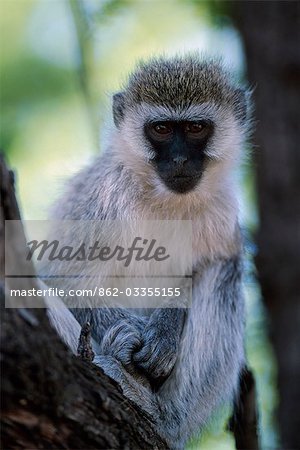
<point>49,397</point>
<point>271,32</point>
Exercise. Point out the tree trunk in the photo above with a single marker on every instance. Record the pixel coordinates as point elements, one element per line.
<point>271,32</point>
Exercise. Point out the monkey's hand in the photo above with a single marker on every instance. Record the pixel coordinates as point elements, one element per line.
<point>123,339</point>
<point>160,342</point>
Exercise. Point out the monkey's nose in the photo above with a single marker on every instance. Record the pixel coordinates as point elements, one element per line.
<point>180,160</point>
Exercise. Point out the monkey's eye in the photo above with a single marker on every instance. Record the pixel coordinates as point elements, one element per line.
<point>195,128</point>
<point>162,129</point>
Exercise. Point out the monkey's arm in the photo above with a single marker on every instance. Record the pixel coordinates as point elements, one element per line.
<point>150,343</point>
<point>162,335</point>
<point>211,354</point>
<point>160,342</point>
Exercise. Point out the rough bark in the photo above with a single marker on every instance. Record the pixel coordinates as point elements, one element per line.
<point>271,33</point>
<point>49,397</point>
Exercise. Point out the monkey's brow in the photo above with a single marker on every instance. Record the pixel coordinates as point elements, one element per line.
<point>180,121</point>
<point>205,111</point>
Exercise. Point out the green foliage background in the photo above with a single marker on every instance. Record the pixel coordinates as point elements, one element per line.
<point>60,61</point>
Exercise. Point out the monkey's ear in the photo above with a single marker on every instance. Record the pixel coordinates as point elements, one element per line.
<point>241,104</point>
<point>118,107</point>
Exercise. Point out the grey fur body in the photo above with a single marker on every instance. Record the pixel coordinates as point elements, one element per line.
<point>198,351</point>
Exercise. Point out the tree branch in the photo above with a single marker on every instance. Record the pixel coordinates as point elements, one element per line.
<point>244,423</point>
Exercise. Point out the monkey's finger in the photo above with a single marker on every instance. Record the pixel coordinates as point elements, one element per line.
<point>153,368</point>
<point>142,355</point>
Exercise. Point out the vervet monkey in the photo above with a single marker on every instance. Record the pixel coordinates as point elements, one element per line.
<point>179,128</point>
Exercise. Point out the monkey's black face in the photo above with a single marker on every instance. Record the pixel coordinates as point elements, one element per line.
<point>179,148</point>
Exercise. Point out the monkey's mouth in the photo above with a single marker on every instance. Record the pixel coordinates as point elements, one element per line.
<point>181,184</point>
<point>184,177</point>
